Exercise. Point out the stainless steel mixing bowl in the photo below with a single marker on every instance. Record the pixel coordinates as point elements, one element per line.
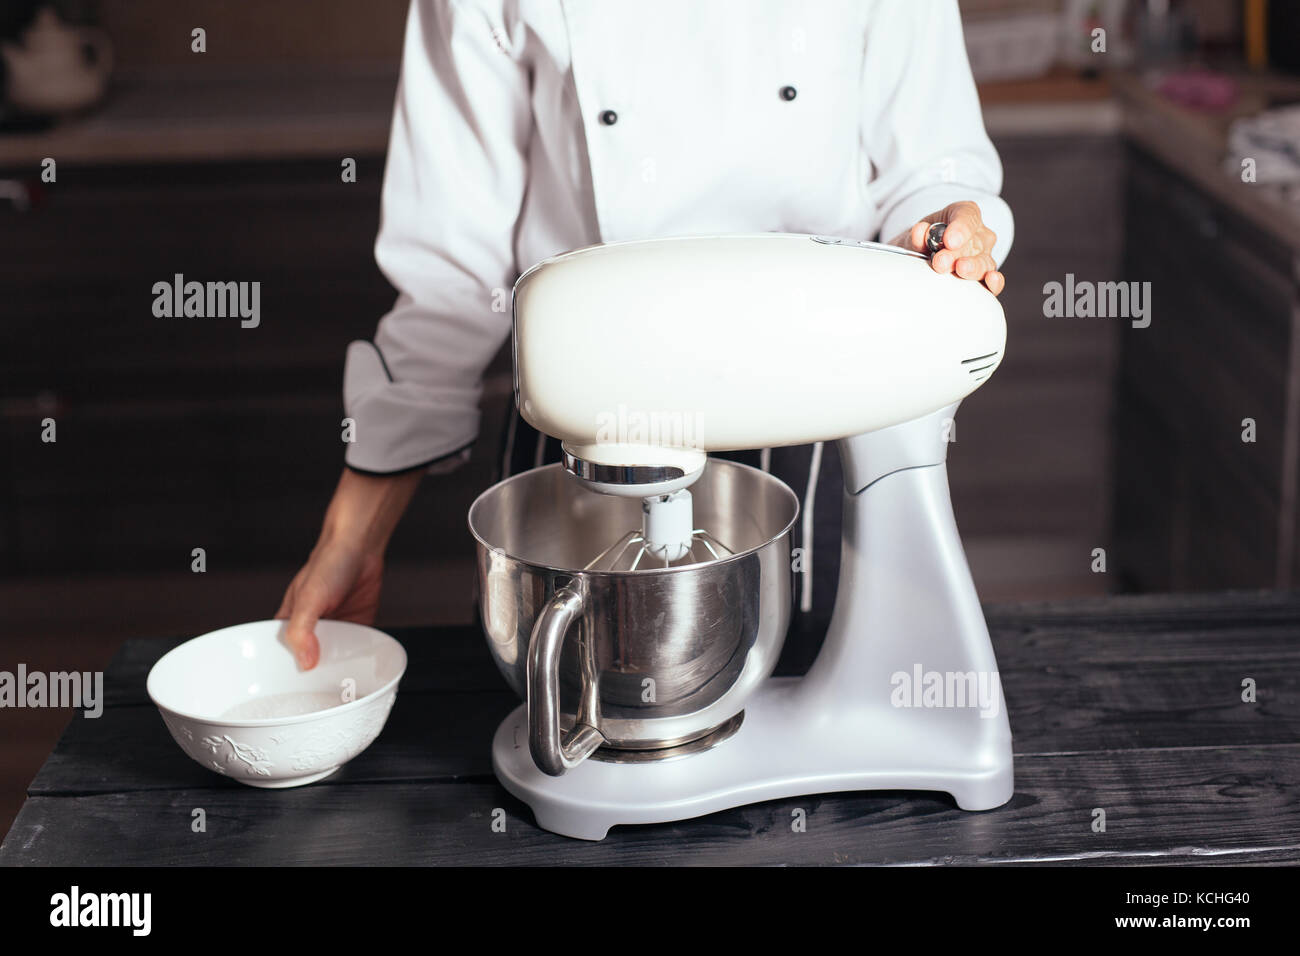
<point>638,663</point>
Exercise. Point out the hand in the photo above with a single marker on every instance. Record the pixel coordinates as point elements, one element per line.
<point>342,576</point>
<point>340,581</point>
<point>967,245</point>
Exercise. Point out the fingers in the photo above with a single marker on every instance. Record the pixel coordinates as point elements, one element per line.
<point>965,225</point>
<point>974,267</point>
<point>980,267</point>
<point>967,245</point>
<point>300,635</point>
<point>913,239</point>
<point>916,238</point>
<point>968,262</point>
<point>286,603</point>
<point>943,261</point>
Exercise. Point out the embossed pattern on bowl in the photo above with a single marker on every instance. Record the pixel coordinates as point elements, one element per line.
<point>235,701</point>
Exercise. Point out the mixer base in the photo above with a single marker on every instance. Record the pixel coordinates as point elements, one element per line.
<point>904,693</point>
<point>783,749</point>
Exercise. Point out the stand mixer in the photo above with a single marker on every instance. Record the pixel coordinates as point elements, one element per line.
<point>637,594</point>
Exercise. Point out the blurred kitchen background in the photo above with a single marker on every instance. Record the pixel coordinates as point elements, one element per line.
<point>1121,165</point>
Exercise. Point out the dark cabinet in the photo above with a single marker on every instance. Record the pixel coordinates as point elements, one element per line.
<point>1031,464</point>
<point>1196,506</point>
<point>176,433</point>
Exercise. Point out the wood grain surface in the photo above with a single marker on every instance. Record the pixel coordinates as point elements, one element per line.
<point>1129,705</point>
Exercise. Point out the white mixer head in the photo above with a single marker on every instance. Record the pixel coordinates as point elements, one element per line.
<point>643,356</point>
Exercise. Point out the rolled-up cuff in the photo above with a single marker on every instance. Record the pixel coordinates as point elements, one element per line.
<point>439,466</point>
<point>917,206</point>
<point>402,426</point>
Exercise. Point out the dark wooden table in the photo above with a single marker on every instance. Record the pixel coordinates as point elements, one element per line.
<point>1132,705</point>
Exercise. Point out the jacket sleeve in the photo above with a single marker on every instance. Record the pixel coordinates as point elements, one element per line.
<point>923,132</point>
<point>453,187</point>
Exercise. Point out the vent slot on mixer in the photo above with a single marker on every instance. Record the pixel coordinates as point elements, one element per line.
<point>984,368</point>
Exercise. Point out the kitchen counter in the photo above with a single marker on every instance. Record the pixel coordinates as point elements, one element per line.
<point>222,114</point>
<point>1194,144</point>
<point>1129,705</point>
<point>1061,103</point>
<point>267,112</point>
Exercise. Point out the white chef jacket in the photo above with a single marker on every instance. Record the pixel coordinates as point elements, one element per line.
<point>524,128</point>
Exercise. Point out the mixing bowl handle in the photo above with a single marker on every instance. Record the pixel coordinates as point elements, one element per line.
<point>552,751</point>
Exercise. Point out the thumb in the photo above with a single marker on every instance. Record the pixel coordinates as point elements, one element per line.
<point>286,603</point>
<point>301,633</point>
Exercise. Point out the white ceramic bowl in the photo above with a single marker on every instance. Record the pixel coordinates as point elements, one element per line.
<point>236,701</point>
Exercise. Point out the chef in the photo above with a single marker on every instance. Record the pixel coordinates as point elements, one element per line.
<point>524,128</point>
